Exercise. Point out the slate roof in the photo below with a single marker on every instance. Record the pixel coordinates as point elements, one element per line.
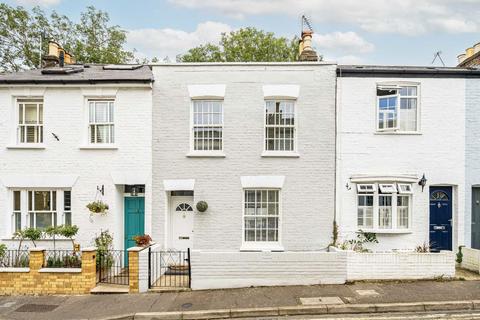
<point>81,74</point>
<point>406,71</point>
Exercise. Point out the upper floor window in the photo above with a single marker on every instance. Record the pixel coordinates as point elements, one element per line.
<point>207,125</point>
<point>101,123</point>
<point>280,125</point>
<point>30,121</point>
<point>397,108</point>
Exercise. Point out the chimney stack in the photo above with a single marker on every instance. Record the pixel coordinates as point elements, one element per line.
<point>305,47</point>
<point>57,56</point>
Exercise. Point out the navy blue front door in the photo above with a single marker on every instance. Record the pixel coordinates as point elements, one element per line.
<point>441,218</point>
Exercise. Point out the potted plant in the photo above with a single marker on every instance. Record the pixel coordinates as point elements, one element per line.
<point>202,206</point>
<point>98,206</point>
<point>142,241</point>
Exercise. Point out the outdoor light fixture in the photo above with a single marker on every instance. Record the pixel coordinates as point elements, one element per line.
<point>134,192</point>
<point>423,181</point>
<point>101,190</point>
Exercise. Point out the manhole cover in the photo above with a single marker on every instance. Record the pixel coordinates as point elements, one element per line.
<point>186,305</point>
<point>320,300</point>
<point>37,308</point>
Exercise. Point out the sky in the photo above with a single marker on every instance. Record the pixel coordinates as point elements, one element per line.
<point>379,32</point>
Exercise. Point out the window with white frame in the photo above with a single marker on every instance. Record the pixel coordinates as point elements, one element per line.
<point>261,215</point>
<point>397,108</point>
<point>280,125</point>
<point>207,131</point>
<point>384,206</point>
<point>101,128</point>
<point>30,121</point>
<point>40,208</point>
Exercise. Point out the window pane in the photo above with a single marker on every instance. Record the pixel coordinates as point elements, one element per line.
<point>67,200</point>
<point>16,200</point>
<point>102,133</point>
<point>20,114</point>
<point>31,113</point>
<point>42,201</point>
<point>18,221</point>
<point>43,220</point>
<point>68,218</point>
<point>385,212</point>
<point>101,112</point>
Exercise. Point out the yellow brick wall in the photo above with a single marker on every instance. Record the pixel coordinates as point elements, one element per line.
<point>133,271</point>
<point>35,282</point>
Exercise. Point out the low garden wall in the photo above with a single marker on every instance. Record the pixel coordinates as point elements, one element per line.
<point>38,279</point>
<point>399,265</point>
<point>471,259</point>
<point>213,270</point>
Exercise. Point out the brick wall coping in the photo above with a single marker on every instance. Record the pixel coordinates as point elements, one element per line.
<point>88,249</point>
<point>37,249</point>
<point>137,249</point>
<point>11,269</point>
<point>60,270</point>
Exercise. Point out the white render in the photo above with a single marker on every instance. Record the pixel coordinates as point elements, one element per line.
<point>307,199</point>
<point>70,162</point>
<point>437,150</point>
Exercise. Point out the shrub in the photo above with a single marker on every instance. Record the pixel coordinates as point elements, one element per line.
<point>98,207</point>
<point>202,206</point>
<point>33,235</point>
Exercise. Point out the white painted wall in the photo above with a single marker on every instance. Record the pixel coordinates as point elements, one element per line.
<point>230,269</point>
<point>64,114</point>
<point>438,151</point>
<point>471,259</point>
<point>399,265</point>
<point>308,190</point>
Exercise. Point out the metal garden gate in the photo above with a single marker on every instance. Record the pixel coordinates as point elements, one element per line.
<point>169,269</point>
<point>112,267</point>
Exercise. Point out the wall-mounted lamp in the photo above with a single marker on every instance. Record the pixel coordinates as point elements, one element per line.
<point>55,136</point>
<point>348,186</point>
<point>423,182</point>
<point>101,190</point>
<point>134,192</point>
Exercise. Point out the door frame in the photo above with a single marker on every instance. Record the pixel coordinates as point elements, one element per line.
<point>454,209</point>
<point>169,224</point>
<point>127,195</point>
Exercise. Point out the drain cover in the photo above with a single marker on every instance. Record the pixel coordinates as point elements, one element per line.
<point>37,308</point>
<point>186,305</point>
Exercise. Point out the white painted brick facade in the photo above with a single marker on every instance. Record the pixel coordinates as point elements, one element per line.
<point>438,151</point>
<point>65,115</point>
<point>308,192</point>
<point>212,270</point>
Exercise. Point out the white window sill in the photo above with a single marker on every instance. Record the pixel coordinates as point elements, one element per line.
<point>206,154</point>
<point>98,147</point>
<point>400,133</point>
<point>386,231</point>
<point>262,246</point>
<point>39,146</point>
<point>12,269</point>
<point>60,270</point>
<point>280,154</point>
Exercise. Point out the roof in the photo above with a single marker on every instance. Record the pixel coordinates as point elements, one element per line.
<point>406,71</point>
<point>81,74</point>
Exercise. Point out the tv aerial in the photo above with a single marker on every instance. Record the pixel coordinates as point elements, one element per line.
<point>438,55</point>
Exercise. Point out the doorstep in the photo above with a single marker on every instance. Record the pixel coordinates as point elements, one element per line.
<point>109,289</point>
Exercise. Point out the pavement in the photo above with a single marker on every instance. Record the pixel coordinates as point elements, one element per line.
<point>377,295</point>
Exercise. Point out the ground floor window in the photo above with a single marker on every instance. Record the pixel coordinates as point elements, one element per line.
<point>41,208</point>
<point>261,215</point>
<point>384,206</point>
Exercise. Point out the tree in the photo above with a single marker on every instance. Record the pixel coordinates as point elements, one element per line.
<point>244,45</point>
<point>91,40</point>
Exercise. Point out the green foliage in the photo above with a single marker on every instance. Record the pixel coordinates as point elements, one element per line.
<point>359,243</point>
<point>68,232</point>
<point>334,234</point>
<point>104,243</point>
<point>97,207</point>
<point>459,258</point>
<point>66,261</point>
<point>202,206</point>
<point>91,40</point>
<point>245,45</point>
<point>33,235</point>
<point>423,248</point>
<point>3,250</point>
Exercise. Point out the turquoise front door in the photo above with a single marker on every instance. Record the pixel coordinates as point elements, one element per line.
<point>134,220</point>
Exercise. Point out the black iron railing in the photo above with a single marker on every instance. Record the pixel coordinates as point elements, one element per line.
<point>169,269</point>
<point>15,259</point>
<point>62,259</point>
<point>112,267</point>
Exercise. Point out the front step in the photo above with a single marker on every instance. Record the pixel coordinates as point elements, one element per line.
<point>104,288</point>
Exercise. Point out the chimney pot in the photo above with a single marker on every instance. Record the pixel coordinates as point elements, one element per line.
<point>461,57</point>
<point>305,47</point>
<point>469,52</point>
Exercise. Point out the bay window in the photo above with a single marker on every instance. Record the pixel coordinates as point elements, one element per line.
<point>384,206</point>
<point>397,107</point>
